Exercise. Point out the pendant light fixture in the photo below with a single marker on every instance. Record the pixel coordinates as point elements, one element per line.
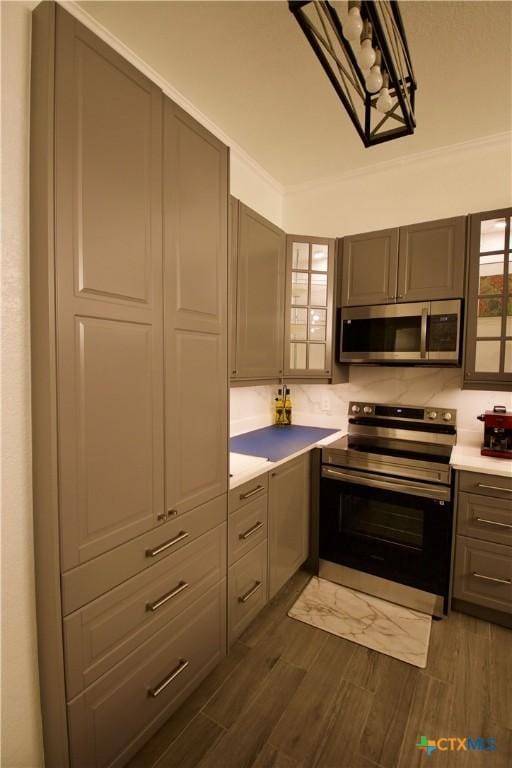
<point>364,52</point>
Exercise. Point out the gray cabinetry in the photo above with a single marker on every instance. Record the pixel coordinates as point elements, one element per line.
<point>420,262</point>
<point>195,311</point>
<point>259,298</point>
<point>483,552</point>
<point>370,264</point>
<point>488,347</point>
<point>288,520</point>
<point>129,320</point>
<point>309,307</point>
<point>431,259</point>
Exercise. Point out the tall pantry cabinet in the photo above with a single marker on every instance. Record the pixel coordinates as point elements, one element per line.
<point>129,368</point>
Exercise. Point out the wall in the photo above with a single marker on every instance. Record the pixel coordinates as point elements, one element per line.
<point>250,408</point>
<point>465,178</point>
<point>21,722</point>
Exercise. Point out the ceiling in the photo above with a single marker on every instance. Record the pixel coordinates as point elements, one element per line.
<point>248,67</point>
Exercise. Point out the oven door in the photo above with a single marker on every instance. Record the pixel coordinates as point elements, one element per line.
<point>397,529</point>
<point>388,333</point>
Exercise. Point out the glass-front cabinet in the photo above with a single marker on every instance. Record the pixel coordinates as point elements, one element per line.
<point>488,361</point>
<point>309,307</point>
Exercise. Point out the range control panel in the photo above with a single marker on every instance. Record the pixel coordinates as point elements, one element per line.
<point>432,414</point>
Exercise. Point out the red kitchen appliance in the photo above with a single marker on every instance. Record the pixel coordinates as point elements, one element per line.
<point>497,432</point>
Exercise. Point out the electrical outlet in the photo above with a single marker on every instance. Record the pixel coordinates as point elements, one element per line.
<point>326,404</point>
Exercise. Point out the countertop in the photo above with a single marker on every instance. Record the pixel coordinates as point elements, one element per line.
<point>243,468</point>
<point>469,458</point>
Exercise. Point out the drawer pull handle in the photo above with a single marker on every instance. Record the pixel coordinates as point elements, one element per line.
<point>492,578</point>
<point>258,526</point>
<point>167,544</point>
<point>169,596</point>
<point>494,487</point>
<point>250,593</point>
<point>254,491</point>
<point>493,522</point>
<point>157,690</point>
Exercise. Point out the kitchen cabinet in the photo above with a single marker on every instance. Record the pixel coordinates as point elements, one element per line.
<point>370,263</point>
<point>129,318</point>
<point>309,307</point>
<point>488,342</point>
<point>482,580</point>
<point>288,520</point>
<point>420,262</point>
<point>258,325</point>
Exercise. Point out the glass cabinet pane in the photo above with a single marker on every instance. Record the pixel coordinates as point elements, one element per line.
<point>487,358</point>
<point>300,256</point>
<point>299,288</point>
<point>492,235</point>
<point>508,357</point>
<point>297,355</point>
<point>318,286</point>
<point>319,258</point>
<point>298,324</point>
<point>491,274</point>
<point>317,324</point>
<point>508,327</point>
<point>316,356</point>
<point>489,317</point>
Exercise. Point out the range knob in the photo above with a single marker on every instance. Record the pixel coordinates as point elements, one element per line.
<point>356,409</point>
<point>447,416</point>
<point>432,414</point>
<point>367,409</point>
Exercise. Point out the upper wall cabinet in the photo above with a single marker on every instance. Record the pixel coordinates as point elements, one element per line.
<point>421,262</point>
<point>259,253</point>
<point>488,358</point>
<point>309,306</point>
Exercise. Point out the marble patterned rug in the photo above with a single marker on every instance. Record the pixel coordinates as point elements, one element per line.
<point>369,621</point>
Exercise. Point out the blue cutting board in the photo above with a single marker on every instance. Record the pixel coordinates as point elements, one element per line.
<point>276,443</point>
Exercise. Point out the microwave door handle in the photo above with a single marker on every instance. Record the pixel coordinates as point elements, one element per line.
<point>423,339</point>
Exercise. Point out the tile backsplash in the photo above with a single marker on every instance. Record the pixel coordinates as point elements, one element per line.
<point>327,405</point>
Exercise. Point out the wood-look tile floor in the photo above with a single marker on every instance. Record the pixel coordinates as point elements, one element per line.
<point>291,696</point>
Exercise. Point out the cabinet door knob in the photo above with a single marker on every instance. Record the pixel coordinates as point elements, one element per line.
<point>400,296</point>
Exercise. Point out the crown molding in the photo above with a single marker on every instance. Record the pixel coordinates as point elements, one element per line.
<point>492,141</point>
<point>114,42</point>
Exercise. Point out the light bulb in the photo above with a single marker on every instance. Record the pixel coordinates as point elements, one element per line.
<point>384,102</point>
<point>366,55</point>
<point>354,25</point>
<point>374,80</point>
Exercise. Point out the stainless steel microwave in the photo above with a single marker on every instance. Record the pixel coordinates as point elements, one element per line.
<point>419,332</point>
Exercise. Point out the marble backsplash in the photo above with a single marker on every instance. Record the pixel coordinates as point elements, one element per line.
<point>327,405</point>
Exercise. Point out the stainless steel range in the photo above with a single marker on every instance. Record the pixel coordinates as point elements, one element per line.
<point>386,512</point>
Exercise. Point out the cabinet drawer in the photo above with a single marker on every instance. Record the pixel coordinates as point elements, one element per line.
<point>247,590</point>
<point>92,579</point>
<point>485,517</point>
<point>486,485</point>
<point>247,492</point>
<point>109,721</point>
<point>483,573</point>
<point>247,527</point>
<point>102,633</point>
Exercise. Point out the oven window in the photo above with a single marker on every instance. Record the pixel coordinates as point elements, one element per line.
<point>390,334</point>
<point>385,521</point>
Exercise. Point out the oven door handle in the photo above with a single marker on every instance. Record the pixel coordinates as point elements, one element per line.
<point>387,484</point>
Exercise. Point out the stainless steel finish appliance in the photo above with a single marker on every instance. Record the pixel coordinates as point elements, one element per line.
<point>419,332</point>
<point>386,514</point>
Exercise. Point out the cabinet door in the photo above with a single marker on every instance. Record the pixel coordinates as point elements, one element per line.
<point>431,260</point>
<point>260,297</point>
<point>370,264</point>
<point>232,279</point>
<point>195,291</point>
<point>108,256</point>
<point>288,520</point>
<point>309,306</point>
<point>488,347</point>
